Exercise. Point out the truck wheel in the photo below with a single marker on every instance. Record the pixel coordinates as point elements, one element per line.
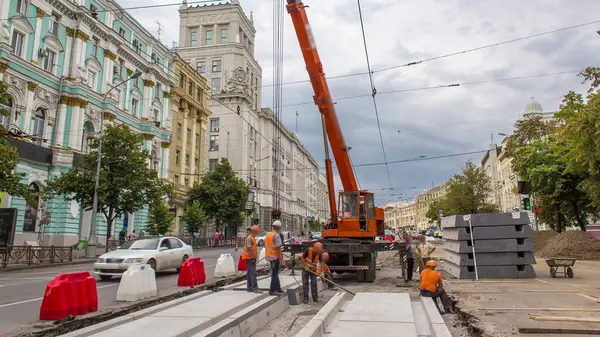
<point>371,274</point>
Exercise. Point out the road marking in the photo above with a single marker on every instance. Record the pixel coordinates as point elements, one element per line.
<point>21,283</point>
<point>41,298</point>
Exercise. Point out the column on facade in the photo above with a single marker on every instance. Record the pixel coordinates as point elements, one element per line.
<point>28,107</point>
<point>184,142</point>
<point>194,150</point>
<point>109,60</point>
<point>147,99</point>
<point>234,31</point>
<point>61,116</point>
<point>166,160</point>
<point>126,95</point>
<point>75,128</point>
<point>68,48</point>
<point>166,113</point>
<point>36,39</point>
<point>79,50</point>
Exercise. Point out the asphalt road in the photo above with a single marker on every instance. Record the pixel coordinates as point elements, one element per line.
<point>21,291</point>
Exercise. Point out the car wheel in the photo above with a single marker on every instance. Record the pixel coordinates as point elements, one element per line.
<point>185,257</point>
<point>105,277</point>
<point>152,264</point>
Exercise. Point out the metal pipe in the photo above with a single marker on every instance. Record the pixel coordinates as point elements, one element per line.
<point>473,249</point>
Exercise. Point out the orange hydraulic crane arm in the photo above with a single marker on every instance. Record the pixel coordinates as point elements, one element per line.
<point>324,101</point>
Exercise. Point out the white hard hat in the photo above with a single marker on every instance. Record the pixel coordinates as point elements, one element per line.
<point>276,223</point>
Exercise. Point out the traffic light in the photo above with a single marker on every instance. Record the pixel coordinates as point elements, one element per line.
<point>527,204</point>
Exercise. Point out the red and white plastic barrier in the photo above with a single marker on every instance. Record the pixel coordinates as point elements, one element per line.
<point>192,273</point>
<point>69,294</point>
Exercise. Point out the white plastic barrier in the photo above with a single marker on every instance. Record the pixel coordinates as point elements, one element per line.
<point>137,283</point>
<point>225,266</point>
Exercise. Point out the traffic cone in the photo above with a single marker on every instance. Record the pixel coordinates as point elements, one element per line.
<point>236,245</point>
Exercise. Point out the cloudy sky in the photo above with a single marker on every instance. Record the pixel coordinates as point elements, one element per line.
<point>430,122</point>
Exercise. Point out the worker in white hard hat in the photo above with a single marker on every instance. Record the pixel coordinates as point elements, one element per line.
<point>250,254</point>
<point>273,244</point>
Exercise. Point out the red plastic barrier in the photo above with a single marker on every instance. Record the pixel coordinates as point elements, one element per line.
<point>191,273</point>
<point>242,265</point>
<point>69,294</point>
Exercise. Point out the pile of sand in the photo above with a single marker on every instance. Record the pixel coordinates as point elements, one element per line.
<point>576,244</point>
<point>541,237</point>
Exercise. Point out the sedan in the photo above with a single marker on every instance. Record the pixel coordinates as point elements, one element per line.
<point>161,253</point>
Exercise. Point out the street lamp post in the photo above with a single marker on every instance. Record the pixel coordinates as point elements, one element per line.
<point>92,240</point>
<point>252,187</point>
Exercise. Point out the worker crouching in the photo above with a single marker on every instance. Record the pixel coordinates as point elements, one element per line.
<point>310,261</point>
<point>324,271</point>
<point>250,254</point>
<point>432,286</point>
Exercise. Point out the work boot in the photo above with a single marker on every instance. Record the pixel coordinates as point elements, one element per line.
<point>305,301</point>
<point>316,300</point>
<point>257,291</point>
<point>276,293</point>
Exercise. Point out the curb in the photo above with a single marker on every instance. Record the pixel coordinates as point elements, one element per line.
<point>42,266</point>
<point>318,324</point>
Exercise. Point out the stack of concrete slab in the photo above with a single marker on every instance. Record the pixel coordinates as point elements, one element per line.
<point>497,245</point>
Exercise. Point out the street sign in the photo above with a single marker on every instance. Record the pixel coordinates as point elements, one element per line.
<point>516,190</point>
<point>249,205</point>
<point>441,213</point>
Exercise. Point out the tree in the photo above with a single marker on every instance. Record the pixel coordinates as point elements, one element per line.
<point>126,185</point>
<point>433,213</point>
<point>194,217</point>
<point>222,195</point>
<point>316,225</point>
<point>526,130</point>
<point>466,193</point>
<point>160,219</point>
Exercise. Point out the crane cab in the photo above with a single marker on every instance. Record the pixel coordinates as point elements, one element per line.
<point>357,217</point>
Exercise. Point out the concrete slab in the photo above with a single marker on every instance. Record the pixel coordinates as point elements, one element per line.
<point>440,330</point>
<point>330,309</point>
<point>379,307</point>
<point>159,326</point>
<point>421,321</point>
<point>491,219</point>
<point>490,259</point>
<point>489,232</point>
<point>314,328</point>
<point>223,303</point>
<point>432,312</point>
<point>264,284</point>
<point>241,283</point>
<point>369,328</point>
<point>490,246</point>
<point>490,272</point>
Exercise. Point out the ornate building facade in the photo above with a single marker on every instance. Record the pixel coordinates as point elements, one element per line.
<point>59,60</point>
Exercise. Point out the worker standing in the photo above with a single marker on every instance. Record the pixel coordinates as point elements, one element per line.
<point>250,254</point>
<point>424,250</point>
<point>432,286</point>
<point>410,261</point>
<point>273,253</point>
<point>324,271</point>
<point>310,260</point>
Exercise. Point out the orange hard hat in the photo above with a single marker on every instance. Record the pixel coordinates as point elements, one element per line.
<point>325,256</point>
<point>255,228</point>
<point>431,263</point>
<point>318,246</point>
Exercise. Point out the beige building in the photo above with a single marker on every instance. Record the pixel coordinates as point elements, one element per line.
<point>400,216</point>
<point>422,203</point>
<point>189,123</point>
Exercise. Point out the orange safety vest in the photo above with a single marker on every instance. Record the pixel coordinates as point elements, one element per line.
<point>270,248</point>
<point>312,260</point>
<point>250,252</point>
<point>323,268</point>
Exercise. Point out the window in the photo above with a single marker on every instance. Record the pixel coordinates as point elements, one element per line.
<point>212,164</point>
<point>186,182</point>
<point>199,95</point>
<point>191,88</point>
<point>177,155</point>
<point>214,125</point>
<point>223,35</point>
<point>49,61</point>
<point>158,90</point>
<point>22,6</point>
<point>215,85</point>
<point>201,67</point>
<point>187,160</point>
<point>134,106</point>
<point>121,66</point>
<point>196,164</point>
<point>53,26</point>
<point>208,37</point>
<point>38,125</point>
<point>95,47</point>
<point>178,131</point>
<point>137,47</point>
<point>189,135</point>
<point>216,66</point>
<point>194,38</point>
<point>155,160</point>
<point>92,79</point>
<point>181,78</point>
<point>156,114</point>
<point>17,43</point>
<point>5,120</point>
<point>31,215</point>
<point>214,143</point>
<point>176,179</point>
<point>122,32</point>
<point>93,8</point>
<point>197,139</point>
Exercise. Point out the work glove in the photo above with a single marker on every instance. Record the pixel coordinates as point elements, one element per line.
<point>307,268</point>
<point>322,276</point>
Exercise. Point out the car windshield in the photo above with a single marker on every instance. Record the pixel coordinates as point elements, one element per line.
<point>316,234</point>
<point>141,244</point>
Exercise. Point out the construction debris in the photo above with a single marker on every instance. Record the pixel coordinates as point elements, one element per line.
<point>541,237</point>
<point>575,244</point>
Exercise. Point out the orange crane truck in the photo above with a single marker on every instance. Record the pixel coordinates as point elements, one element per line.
<point>349,236</point>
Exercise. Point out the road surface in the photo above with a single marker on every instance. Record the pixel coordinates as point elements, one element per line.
<point>21,291</point>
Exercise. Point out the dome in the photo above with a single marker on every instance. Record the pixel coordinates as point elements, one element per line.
<point>533,107</point>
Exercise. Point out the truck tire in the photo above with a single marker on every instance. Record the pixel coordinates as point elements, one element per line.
<point>371,274</point>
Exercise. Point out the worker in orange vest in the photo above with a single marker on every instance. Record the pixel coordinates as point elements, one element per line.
<point>250,254</point>
<point>273,244</point>
<point>324,271</point>
<point>311,257</point>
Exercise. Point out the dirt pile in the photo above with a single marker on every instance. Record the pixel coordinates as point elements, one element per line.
<point>541,237</point>
<point>576,244</point>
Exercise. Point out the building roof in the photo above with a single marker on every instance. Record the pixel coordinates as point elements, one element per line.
<point>532,108</point>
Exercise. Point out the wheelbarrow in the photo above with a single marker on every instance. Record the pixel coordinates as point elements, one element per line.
<point>565,262</point>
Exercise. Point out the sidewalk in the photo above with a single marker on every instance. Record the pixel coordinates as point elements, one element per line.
<point>16,267</point>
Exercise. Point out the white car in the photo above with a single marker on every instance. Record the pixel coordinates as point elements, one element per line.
<point>161,253</point>
<point>260,240</point>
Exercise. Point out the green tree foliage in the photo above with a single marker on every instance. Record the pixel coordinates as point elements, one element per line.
<point>433,213</point>
<point>194,217</point>
<point>127,184</point>
<point>10,182</point>
<point>466,193</point>
<point>316,225</point>
<point>222,195</point>
<point>160,219</point>
<point>526,130</point>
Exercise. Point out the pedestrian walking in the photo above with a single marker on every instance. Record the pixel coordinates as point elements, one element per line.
<point>424,250</point>
<point>311,257</point>
<point>250,254</point>
<point>122,235</point>
<point>142,233</point>
<point>273,243</point>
